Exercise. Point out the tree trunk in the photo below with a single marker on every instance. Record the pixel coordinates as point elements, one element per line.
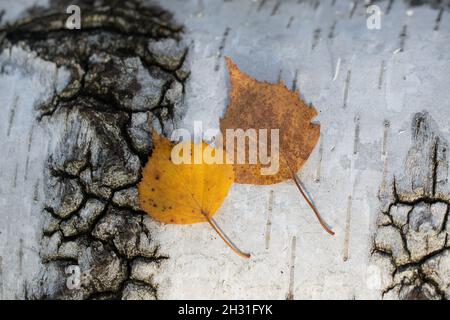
<point>79,107</point>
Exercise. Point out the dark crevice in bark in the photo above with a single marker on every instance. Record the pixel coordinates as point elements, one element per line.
<point>412,232</point>
<point>104,144</point>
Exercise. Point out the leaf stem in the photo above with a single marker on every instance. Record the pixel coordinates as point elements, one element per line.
<point>299,185</point>
<point>224,237</point>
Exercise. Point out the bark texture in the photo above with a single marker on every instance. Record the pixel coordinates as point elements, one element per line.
<point>413,230</point>
<point>382,101</point>
<point>127,76</point>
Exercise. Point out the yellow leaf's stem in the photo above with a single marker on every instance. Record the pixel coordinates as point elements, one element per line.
<point>311,205</point>
<point>224,237</point>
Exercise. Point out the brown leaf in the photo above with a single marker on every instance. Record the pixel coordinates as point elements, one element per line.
<point>262,105</point>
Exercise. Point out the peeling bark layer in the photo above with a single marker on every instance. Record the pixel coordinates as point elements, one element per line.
<point>127,77</point>
<point>412,235</point>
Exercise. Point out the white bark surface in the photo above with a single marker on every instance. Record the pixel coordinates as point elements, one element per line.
<point>358,80</point>
<point>366,85</point>
<point>25,82</point>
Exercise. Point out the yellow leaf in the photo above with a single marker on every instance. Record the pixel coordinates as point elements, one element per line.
<point>184,193</point>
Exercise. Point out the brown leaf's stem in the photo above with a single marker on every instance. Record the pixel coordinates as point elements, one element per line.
<point>299,185</point>
<point>224,237</point>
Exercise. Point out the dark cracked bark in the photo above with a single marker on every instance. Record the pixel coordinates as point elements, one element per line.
<point>435,4</point>
<point>127,76</point>
<point>412,235</point>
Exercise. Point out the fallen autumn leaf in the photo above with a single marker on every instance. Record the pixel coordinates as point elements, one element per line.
<point>262,105</point>
<point>184,193</point>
